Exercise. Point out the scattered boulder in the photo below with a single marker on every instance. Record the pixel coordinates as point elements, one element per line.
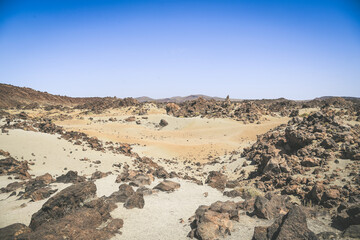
<point>144,190</point>
<point>70,177</point>
<point>163,123</point>
<point>11,166</point>
<point>125,191</point>
<point>12,187</point>
<point>98,175</point>
<point>160,172</point>
<point>217,180</point>
<point>140,180</point>
<point>167,186</point>
<point>270,206</point>
<point>136,200</point>
<point>70,198</point>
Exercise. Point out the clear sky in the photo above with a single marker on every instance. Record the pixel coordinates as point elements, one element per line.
<point>247,49</point>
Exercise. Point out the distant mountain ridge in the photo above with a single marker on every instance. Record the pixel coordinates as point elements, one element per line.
<point>178,99</point>
<point>12,96</point>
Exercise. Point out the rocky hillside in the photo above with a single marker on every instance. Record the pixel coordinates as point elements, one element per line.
<point>12,96</point>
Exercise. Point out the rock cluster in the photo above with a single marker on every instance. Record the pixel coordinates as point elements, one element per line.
<point>128,196</point>
<point>347,218</point>
<point>9,165</point>
<point>167,186</point>
<point>98,106</point>
<point>291,226</point>
<point>73,213</point>
<point>306,147</point>
<point>214,221</point>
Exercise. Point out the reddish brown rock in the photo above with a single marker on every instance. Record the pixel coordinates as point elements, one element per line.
<point>216,180</point>
<point>63,202</point>
<point>13,231</point>
<point>167,186</point>
<point>291,226</point>
<point>136,200</point>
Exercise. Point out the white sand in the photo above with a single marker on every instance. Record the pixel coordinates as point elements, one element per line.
<point>160,217</point>
<point>49,149</point>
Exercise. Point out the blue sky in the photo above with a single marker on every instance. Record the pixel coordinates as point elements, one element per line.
<point>247,49</point>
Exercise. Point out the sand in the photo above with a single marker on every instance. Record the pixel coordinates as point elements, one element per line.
<point>162,214</point>
<point>183,139</point>
<point>55,156</point>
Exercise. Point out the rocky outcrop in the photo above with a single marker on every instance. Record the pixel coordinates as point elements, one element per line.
<point>291,226</point>
<point>306,147</point>
<point>13,231</point>
<point>73,213</point>
<point>65,201</point>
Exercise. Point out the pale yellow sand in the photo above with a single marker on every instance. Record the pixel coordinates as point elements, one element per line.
<point>184,138</point>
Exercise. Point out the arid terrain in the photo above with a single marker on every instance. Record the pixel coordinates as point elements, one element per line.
<point>178,168</point>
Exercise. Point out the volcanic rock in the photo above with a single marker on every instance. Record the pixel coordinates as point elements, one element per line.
<point>216,180</point>
<point>63,202</point>
<point>167,186</point>
<point>13,231</point>
<point>136,200</point>
<point>291,226</point>
<point>124,192</point>
<point>70,177</point>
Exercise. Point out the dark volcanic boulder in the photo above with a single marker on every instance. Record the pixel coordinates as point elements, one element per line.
<point>160,172</point>
<point>38,188</point>
<point>298,139</point>
<point>217,180</point>
<point>167,186</point>
<point>91,221</point>
<point>270,206</point>
<point>98,175</point>
<point>70,177</point>
<point>12,166</point>
<point>12,187</point>
<point>291,226</point>
<point>163,123</point>
<point>12,231</point>
<point>135,201</point>
<point>125,191</point>
<point>62,203</point>
<point>353,231</point>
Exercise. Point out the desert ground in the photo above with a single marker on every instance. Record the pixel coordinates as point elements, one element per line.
<point>202,169</point>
